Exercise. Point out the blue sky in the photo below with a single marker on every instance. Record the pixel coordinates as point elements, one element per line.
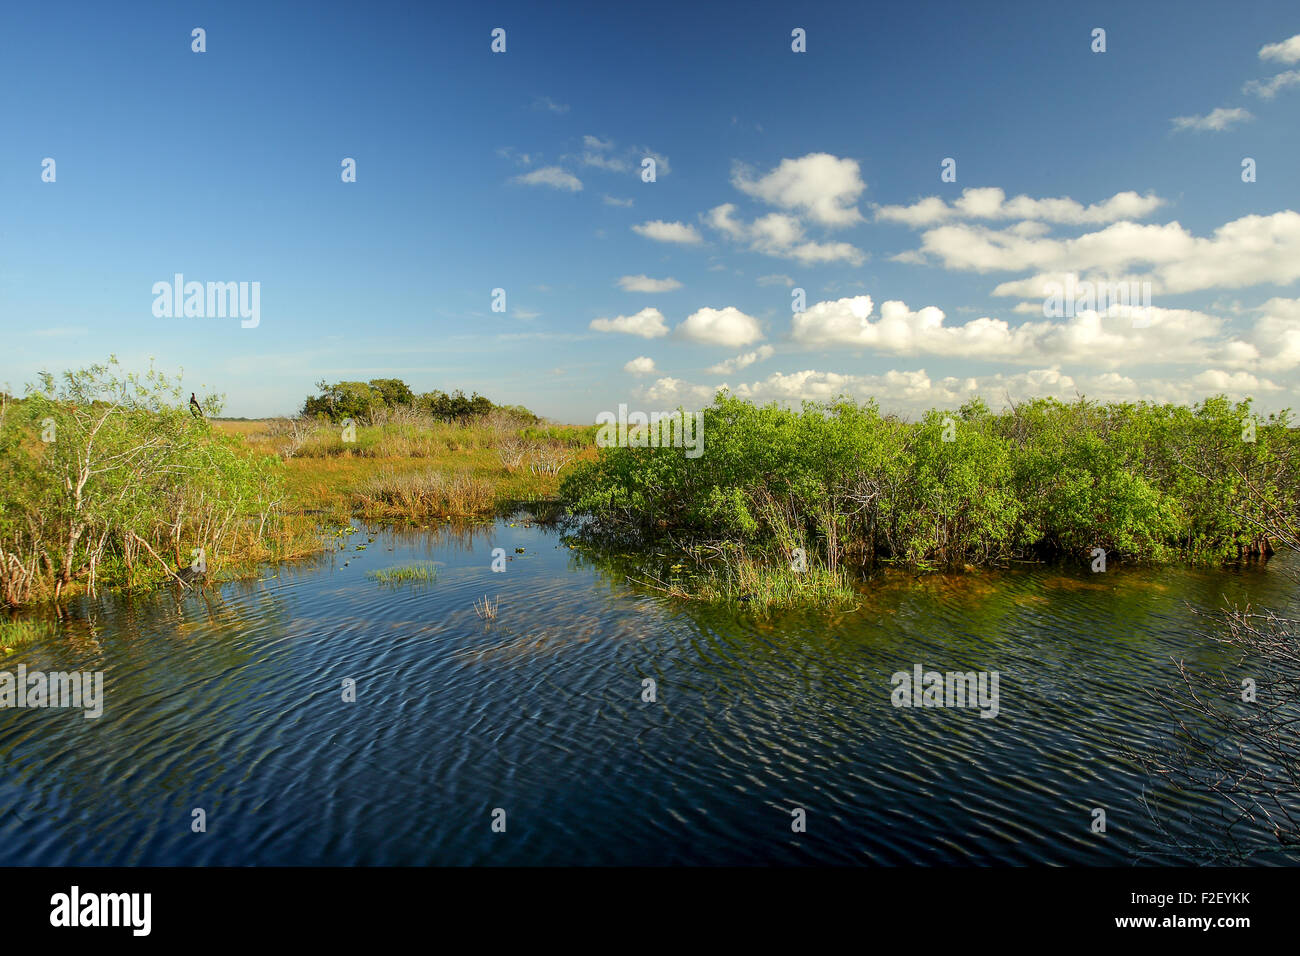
<point>775,170</point>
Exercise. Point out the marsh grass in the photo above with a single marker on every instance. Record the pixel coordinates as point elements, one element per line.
<point>136,484</point>
<point>759,583</point>
<point>423,573</point>
<point>428,493</point>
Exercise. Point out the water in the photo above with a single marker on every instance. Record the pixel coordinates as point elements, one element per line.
<point>231,701</point>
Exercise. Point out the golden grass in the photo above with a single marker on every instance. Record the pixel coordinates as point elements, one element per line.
<point>377,476</point>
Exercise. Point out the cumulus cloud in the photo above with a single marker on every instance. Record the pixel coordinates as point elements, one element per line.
<point>762,353</point>
<point>914,391</point>
<point>648,323</point>
<point>1215,121</point>
<point>552,176</point>
<point>1288,51</point>
<point>662,231</point>
<point>1277,334</point>
<point>641,365</point>
<point>673,392</point>
<point>728,326</point>
<point>991,203</point>
<point>595,142</point>
<point>1247,251</point>
<point>823,187</point>
<point>643,283</point>
<point>1106,338</point>
<point>1267,89</point>
<point>780,235</point>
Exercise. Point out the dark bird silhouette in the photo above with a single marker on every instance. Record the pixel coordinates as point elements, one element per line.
<point>195,408</point>
<point>191,575</point>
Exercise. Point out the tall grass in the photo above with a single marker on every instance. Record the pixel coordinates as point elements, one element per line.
<point>426,494</point>
<point>409,432</point>
<point>759,581</point>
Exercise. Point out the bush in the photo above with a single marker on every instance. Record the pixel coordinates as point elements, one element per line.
<point>110,479</point>
<point>1142,481</point>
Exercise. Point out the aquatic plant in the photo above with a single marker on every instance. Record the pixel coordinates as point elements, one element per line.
<point>405,575</point>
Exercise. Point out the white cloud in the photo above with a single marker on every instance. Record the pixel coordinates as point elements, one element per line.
<point>780,235</point>
<point>1247,251</point>
<point>641,365</point>
<point>643,283</point>
<point>1288,51</point>
<point>595,142</point>
<point>991,203</point>
<point>1277,334</point>
<point>1215,121</point>
<point>673,392</point>
<point>824,187</point>
<point>728,326</point>
<point>1105,339</point>
<point>662,231</point>
<point>662,166</point>
<point>776,279</point>
<point>762,353</point>
<point>609,163</point>
<point>614,201</point>
<point>1267,89</point>
<point>648,323</point>
<point>552,176</point>
<point>914,391</point>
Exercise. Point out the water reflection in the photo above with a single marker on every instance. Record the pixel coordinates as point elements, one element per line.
<point>229,699</point>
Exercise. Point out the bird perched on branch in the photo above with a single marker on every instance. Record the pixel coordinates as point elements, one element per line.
<point>195,408</point>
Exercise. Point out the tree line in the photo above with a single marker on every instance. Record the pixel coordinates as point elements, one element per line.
<point>1043,479</point>
<point>359,400</point>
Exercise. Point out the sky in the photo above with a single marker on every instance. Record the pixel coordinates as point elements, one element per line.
<point>779,175</point>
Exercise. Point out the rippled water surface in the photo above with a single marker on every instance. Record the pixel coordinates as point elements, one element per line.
<point>231,701</point>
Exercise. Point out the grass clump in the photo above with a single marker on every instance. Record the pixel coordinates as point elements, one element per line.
<point>412,573</point>
<point>429,493</point>
<point>760,582</point>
